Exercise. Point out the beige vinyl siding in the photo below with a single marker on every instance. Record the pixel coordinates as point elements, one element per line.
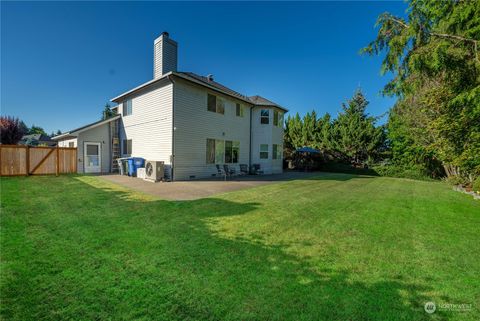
<point>277,138</point>
<point>150,124</point>
<point>194,124</point>
<point>266,134</point>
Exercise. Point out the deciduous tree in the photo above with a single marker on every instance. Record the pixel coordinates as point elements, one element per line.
<point>11,130</point>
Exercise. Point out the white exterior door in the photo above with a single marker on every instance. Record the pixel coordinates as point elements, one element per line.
<point>92,157</point>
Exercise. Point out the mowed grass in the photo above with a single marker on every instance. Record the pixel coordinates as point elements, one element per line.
<point>337,247</point>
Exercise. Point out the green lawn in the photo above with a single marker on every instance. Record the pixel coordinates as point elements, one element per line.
<point>338,247</point>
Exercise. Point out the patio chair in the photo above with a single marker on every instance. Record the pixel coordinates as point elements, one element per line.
<point>243,169</point>
<point>229,171</point>
<point>256,169</point>
<point>221,172</point>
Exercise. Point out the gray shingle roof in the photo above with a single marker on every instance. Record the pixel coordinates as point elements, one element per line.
<point>260,101</point>
<point>39,137</point>
<point>215,84</point>
<point>202,80</point>
<point>256,100</point>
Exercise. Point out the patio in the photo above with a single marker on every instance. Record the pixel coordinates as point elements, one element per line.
<point>196,189</point>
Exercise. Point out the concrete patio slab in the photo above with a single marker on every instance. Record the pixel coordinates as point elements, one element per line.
<point>196,189</point>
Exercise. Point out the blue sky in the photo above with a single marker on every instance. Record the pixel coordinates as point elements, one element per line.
<point>62,61</point>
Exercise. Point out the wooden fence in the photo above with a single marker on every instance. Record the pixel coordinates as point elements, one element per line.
<point>19,160</point>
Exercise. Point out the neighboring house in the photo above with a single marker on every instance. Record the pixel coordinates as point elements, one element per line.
<point>188,121</point>
<point>37,140</point>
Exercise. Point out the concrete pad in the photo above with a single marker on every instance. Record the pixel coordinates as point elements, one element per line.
<point>196,189</point>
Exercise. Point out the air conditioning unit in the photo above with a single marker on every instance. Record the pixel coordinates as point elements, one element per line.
<point>154,171</point>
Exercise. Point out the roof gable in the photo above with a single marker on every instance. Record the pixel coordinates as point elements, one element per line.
<point>86,127</point>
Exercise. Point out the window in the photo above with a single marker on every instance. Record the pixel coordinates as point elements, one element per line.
<point>71,144</point>
<point>210,151</point>
<point>212,103</point>
<point>127,147</point>
<point>219,151</point>
<point>264,116</point>
<point>232,150</point>
<point>215,104</point>
<point>277,118</point>
<point>239,110</point>
<point>127,107</point>
<point>235,152</point>
<point>277,151</point>
<point>228,151</point>
<point>263,151</point>
<point>220,106</point>
<point>92,155</point>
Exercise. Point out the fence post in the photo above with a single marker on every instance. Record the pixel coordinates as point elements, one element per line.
<point>27,160</point>
<point>57,169</point>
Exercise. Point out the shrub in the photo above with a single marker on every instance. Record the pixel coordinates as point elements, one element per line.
<point>337,167</point>
<point>413,171</point>
<point>456,180</point>
<point>476,185</point>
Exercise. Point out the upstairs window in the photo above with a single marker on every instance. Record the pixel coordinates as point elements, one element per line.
<point>127,107</point>
<point>212,103</point>
<point>215,104</point>
<point>127,147</point>
<point>277,118</point>
<point>220,106</point>
<point>71,144</point>
<point>239,110</point>
<point>263,151</point>
<point>264,116</point>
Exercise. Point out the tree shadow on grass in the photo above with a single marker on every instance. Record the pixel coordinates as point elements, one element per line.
<point>107,255</point>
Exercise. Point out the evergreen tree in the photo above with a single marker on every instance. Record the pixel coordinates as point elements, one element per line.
<point>354,135</point>
<point>434,55</point>
<point>107,112</point>
<point>36,130</point>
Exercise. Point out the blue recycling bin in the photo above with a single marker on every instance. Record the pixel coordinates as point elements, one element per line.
<point>133,164</point>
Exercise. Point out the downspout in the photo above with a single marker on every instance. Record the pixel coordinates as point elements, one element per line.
<point>172,161</point>
<point>250,153</point>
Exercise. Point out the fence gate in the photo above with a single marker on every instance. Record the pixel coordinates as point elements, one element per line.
<point>19,160</point>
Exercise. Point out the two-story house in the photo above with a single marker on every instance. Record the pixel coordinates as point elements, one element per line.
<point>189,122</point>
